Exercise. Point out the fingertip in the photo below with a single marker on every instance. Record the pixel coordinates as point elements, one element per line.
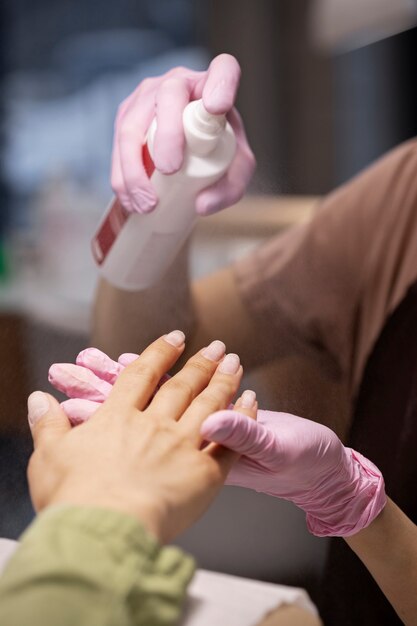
<point>220,90</point>
<point>230,365</point>
<point>142,196</point>
<point>219,101</point>
<point>206,206</point>
<point>38,405</point>
<point>143,203</point>
<point>61,375</point>
<point>247,403</point>
<point>79,411</point>
<point>85,356</point>
<point>127,358</point>
<point>169,155</point>
<point>175,338</point>
<point>54,372</point>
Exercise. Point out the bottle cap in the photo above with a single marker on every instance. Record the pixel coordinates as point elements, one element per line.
<point>206,122</point>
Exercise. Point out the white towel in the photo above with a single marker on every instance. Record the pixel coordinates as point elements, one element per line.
<point>215,598</point>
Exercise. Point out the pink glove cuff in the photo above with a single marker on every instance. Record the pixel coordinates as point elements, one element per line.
<point>354,508</point>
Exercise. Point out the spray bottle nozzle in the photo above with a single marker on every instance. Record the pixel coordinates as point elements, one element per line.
<point>206,122</point>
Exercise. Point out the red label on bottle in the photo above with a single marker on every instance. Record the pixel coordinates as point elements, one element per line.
<point>115,218</point>
<point>148,163</point>
<point>110,227</point>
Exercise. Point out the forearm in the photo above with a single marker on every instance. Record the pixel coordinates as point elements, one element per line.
<point>207,309</point>
<point>388,548</point>
<point>125,321</point>
<point>84,566</point>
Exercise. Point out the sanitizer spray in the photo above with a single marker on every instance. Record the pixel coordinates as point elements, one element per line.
<point>134,251</point>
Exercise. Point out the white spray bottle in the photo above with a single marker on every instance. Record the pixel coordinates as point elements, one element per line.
<point>134,251</point>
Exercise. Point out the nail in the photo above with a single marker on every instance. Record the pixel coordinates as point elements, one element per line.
<point>215,351</point>
<point>38,405</point>
<point>175,338</point>
<point>230,364</point>
<point>248,399</point>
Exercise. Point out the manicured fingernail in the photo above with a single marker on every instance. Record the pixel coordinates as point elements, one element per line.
<point>248,399</point>
<point>215,351</point>
<point>38,405</point>
<point>175,338</point>
<point>230,364</point>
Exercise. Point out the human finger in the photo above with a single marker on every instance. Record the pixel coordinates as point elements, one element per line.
<point>78,382</point>
<point>171,99</point>
<point>246,405</point>
<point>116,172</point>
<point>239,433</point>
<point>179,391</point>
<point>47,421</point>
<point>221,85</point>
<point>100,364</point>
<point>79,411</point>
<point>232,186</point>
<point>130,134</point>
<point>137,383</point>
<point>127,358</point>
<point>217,395</point>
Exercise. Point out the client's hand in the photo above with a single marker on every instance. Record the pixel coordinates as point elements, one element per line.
<point>282,455</point>
<point>146,462</point>
<point>304,462</point>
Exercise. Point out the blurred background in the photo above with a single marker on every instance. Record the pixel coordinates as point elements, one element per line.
<point>327,87</point>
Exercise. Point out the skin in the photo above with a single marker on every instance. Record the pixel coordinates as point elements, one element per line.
<point>134,457</point>
<point>388,548</point>
<point>293,381</point>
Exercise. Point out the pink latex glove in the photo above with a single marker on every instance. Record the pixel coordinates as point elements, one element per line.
<point>299,460</point>
<point>89,382</point>
<point>166,97</point>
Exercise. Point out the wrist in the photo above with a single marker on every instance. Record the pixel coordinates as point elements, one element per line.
<point>143,509</point>
<point>350,501</point>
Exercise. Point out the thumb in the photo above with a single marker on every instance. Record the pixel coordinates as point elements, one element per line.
<point>47,420</point>
<point>239,433</point>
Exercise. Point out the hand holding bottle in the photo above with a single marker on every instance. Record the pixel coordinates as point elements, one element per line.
<point>135,453</point>
<point>165,97</point>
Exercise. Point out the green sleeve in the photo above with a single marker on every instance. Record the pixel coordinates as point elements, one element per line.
<point>92,567</point>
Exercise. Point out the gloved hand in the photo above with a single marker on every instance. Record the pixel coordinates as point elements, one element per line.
<point>166,97</point>
<point>299,460</point>
<point>88,382</point>
<point>282,455</point>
